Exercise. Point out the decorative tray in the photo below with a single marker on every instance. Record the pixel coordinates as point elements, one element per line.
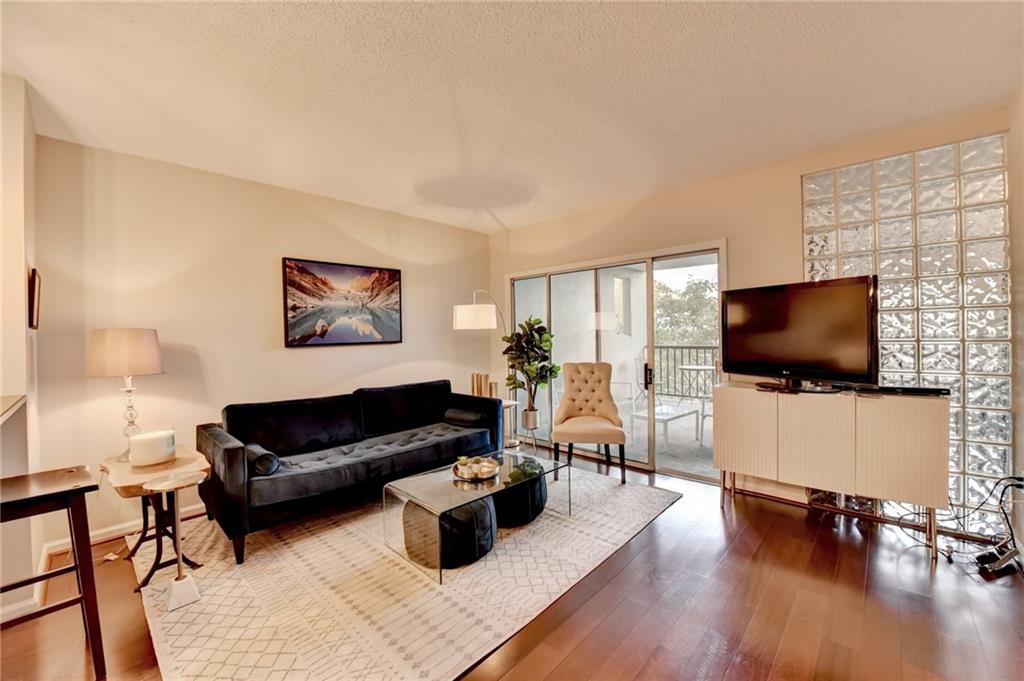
<point>475,469</point>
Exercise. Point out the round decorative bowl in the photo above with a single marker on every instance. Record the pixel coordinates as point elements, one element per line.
<point>476,471</point>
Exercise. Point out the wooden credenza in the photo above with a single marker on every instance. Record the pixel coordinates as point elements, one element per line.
<point>881,446</point>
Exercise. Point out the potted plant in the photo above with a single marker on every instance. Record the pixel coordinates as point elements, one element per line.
<point>528,352</point>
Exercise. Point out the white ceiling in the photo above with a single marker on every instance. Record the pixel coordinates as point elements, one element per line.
<point>483,115</point>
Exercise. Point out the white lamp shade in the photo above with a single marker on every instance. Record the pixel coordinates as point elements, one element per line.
<point>475,316</point>
<point>123,352</point>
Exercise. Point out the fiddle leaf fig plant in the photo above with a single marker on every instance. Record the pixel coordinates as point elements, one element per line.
<point>528,352</point>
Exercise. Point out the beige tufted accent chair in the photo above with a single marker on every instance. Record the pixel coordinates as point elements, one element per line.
<point>587,412</point>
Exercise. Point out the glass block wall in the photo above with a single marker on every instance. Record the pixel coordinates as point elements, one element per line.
<point>933,224</point>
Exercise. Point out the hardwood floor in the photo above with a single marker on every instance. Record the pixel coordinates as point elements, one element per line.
<point>53,647</point>
<point>759,590</point>
<point>764,590</point>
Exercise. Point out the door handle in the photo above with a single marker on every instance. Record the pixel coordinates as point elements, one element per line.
<point>648,376</point>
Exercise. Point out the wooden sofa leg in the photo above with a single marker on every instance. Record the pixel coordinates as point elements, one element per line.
<point>239,544</point>
<point>622,462</point>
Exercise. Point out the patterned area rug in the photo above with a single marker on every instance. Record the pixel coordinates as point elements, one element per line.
<point>326,599</point>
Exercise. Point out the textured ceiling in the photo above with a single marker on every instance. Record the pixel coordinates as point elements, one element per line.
<point>483,115</point>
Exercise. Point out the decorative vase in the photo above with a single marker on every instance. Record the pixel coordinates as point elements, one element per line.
<point>530,419</point>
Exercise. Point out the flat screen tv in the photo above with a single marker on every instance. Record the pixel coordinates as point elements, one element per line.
<point>818,331</point>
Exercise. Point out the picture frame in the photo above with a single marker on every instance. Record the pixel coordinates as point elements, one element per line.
<point>327,303</point>
<point>35,291</point>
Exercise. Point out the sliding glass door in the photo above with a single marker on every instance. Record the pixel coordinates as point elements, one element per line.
<point>621,323</point>
<point>685,358</point>
<point>610,313</point>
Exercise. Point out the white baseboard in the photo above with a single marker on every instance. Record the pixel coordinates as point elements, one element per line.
<point>17,609</point>
<point>48,549</point>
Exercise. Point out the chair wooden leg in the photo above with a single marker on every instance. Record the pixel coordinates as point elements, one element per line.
<point>622,462</point>
<point>568,454</point>
<point>558,454</point>
<point>607,455</point>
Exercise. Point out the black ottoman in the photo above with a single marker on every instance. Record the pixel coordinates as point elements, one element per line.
<point>468,534</point>
<point>519,505</point>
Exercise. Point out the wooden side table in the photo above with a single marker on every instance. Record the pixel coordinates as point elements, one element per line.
<point>130,482</point>
<point>22,496</point>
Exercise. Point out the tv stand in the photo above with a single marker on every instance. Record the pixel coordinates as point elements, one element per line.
<point>878,445</point>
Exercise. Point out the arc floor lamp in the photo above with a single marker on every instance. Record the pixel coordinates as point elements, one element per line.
<point>477,316</point>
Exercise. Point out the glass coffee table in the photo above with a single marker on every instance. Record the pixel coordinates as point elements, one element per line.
<point>425,513</point>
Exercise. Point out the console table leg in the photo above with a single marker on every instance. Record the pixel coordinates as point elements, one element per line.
<point>82,551</point>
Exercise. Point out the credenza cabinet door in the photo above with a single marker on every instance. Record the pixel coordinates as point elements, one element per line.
<point>816,440</point>
<point>746,431</point>
<point>903,449</point>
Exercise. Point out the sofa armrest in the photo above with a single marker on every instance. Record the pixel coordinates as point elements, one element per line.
<point>490,410</point>
<point>229,475</point>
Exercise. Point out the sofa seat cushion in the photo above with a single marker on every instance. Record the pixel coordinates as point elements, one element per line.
<point>382,457</point>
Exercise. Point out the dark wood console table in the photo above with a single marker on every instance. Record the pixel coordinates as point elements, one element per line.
<point>22,496</point>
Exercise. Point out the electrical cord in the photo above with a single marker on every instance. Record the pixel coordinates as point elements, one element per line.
<point>948,550</point>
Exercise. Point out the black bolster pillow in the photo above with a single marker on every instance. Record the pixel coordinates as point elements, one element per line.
<point>261,462</point>
<point>465,418</point>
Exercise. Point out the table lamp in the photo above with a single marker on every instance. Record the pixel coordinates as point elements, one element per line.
<point>125,353</point>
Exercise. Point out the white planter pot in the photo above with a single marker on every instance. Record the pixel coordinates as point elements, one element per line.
<point>530,419</point>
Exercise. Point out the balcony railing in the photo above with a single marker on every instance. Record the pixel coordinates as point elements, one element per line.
<point>677,372</point>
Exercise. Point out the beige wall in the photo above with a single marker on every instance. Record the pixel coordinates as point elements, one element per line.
<point>126,241</point>
<point>17,151</point>
<point>758,212</point>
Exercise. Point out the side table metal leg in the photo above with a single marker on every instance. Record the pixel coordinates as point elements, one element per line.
<point>172,508</point>
<point>160,530</point>
<point>145,528</point>
<point>182,591</point>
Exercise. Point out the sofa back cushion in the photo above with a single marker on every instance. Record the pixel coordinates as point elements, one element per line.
<point>403,407</point>
<point>296,426</point>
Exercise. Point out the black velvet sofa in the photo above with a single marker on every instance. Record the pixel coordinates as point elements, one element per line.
<point>272,461</point>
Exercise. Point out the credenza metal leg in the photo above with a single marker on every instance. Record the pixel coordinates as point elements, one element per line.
<point>932,528</point>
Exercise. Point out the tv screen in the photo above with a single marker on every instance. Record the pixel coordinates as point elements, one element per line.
<point>822,331</point>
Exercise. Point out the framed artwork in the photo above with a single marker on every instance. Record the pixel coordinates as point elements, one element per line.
<point>35,290</point>
<point>328,303</point>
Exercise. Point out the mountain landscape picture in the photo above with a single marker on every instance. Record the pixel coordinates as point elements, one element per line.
<point>332,304</point>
